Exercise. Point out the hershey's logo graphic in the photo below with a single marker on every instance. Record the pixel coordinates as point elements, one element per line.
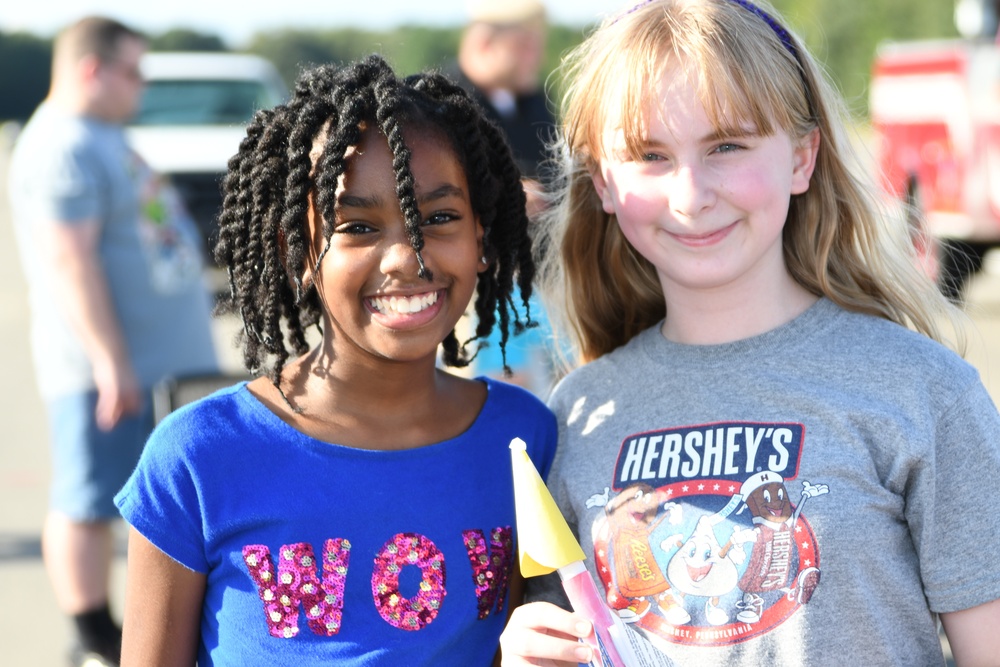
<point>725,450</point>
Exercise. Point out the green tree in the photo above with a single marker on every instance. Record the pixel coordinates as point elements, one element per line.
<point>185,39</point>
<point>409,48</point>
<point>293,50</point>
<point>845,34</point>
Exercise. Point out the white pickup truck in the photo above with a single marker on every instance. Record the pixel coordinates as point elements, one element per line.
<point>193,116</point>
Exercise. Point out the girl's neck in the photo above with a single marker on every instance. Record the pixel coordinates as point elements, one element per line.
<point>391,406</point>
<point>699,317</point>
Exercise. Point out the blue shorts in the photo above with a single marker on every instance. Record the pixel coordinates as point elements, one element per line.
<point>89,465</point>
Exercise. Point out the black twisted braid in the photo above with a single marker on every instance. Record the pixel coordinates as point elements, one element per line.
<point>263,238</point>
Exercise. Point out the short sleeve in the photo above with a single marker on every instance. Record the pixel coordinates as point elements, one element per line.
<point>951,505</point>
<point>160,499</point>
<point>71,189</point>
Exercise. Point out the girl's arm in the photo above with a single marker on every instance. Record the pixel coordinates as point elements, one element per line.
<point>974,635</point>
<point>163,601</point>
<point>540,633</point>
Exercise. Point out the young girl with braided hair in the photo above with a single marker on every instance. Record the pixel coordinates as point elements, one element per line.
<point>768,454</point>
<point>353,505</point>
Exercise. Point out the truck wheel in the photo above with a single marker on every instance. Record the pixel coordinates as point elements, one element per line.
<point>960,260</point>
<point>926,247</point>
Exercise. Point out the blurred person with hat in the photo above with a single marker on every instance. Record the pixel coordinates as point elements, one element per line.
<point>499,62</point>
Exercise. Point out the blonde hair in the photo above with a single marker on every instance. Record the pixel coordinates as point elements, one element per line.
<point>839,242</point>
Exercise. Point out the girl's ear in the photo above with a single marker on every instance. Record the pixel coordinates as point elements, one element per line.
<point>601,187</point>
<point>804,161</point>
<point>307,275</point>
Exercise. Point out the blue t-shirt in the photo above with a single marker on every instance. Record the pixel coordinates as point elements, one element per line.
<point>317,552</point>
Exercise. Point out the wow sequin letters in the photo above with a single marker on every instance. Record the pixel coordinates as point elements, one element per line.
<point>296,582</point>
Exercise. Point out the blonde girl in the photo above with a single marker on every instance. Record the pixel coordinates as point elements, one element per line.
<point>768,453</point>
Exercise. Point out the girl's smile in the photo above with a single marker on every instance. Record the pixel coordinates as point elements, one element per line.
<point>405,310</point>
<point>701,240</point>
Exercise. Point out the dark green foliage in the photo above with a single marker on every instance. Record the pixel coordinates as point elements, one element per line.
<point>25,71</point>
<point>843,34</point>
<point>183,39</point>
<point>409,48</point>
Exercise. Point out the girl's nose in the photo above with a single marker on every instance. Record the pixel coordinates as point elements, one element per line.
<point>399,257</point>
<point>690,190</point>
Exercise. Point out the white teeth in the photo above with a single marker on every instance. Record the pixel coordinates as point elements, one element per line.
<point>403,304</point>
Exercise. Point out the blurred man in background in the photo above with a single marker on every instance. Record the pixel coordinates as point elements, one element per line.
<point>114,271</point>
<point>499,62</point>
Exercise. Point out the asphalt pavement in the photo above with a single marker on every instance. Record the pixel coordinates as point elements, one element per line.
<point>32,631</point>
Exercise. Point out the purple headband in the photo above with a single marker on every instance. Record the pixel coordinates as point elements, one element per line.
<point>782,34</point>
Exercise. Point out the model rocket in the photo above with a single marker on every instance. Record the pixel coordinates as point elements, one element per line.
<point>546,544</point>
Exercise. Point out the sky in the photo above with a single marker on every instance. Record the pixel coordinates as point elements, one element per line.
<point>236,20</point>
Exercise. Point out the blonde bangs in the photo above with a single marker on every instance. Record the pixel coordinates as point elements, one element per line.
<point>731,59</point>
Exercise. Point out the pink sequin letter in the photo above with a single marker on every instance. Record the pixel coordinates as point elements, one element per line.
<point>401,550</point>
<point>490,566</point>
<point>295,584</point>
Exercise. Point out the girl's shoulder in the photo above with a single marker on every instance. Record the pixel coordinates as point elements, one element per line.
<point>868,355</point>
<point>884,343</point>
<point>512,411</point>
<point>826,341</point>
<point>505,400</point>
<point>227,412</point>
<point>611,367</point>
<point>505,393</point>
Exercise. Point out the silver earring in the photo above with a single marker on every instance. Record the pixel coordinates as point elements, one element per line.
<point>483,260</point>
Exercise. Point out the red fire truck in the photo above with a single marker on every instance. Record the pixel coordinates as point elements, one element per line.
<point>935,109</point>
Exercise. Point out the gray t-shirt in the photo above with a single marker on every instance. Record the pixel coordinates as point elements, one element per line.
<point>69,169</point>
<point>812,495</point>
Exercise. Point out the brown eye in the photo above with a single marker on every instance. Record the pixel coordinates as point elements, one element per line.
<point>440,218</point>
<point>353,228</point>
